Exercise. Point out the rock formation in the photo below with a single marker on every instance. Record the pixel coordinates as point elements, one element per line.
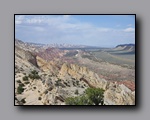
<point>59,81</point>
<point>114,94</point>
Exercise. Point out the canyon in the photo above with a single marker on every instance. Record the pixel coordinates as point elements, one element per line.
<point>47,75</point>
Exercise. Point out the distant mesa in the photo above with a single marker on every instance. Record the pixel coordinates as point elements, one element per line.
<point>123,45</point>
<point>130,48</point>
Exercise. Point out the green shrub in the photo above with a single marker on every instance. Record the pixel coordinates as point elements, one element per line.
<point>77,82</point>
<point>58,83</point>
<point>82,100</point>
<point>18,81</point>
<point>37,76</point>
<point>20,89</point>
<point>23,101</point>
<point>46,92</point>
<point>30,76</point>
<point>26,82</point>
<point>24,73</point>
<point>39,98</point>
<point>25,78</point>
<point>65,83</point>
<point>74,83</point>
<point>34,75</point>
<point>34,72</point>
<point>72,101</point>
<point>96,95</point>
<point>21,85</point>
<point>76,92</point>
<point>92,96</point>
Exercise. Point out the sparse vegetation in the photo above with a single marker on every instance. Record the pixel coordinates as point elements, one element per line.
<point>24,73</point>
<point>34,75</point>
<point>96,95</point>
<point>20,89</point>
<point>26,82</point>
<point>82,100</point>
<point>18,81</point>
<point>58,83</point>
<point>50,88</point>
<point>77,82</point>
<point>73,83</point>
<point>95,65</point>
<point>23,101</point>
<point>76,92</point>
<point>92,96</point>
<point>21,84</point>
<point>46,92</point>
<point>25,78</point>
<point>39,98</point>
<point>34,72</point>
<point>65,83</point>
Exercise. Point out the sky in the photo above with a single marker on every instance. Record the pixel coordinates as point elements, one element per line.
<point>91,30</point>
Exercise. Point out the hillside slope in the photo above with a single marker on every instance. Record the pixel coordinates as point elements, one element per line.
<point>41,79</point>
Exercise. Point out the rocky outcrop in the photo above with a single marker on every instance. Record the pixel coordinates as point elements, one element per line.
<point>47,66</point>
<point>82,73</point>
<point>57,83</point>
<point>119,95</point>
<point>26,55</point>
<point>38,93</point>
<point>115,94</point>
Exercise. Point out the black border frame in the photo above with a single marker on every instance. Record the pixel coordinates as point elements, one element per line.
<point>82,106</point>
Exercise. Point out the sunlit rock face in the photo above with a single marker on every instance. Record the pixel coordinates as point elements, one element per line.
<point>59,80</point>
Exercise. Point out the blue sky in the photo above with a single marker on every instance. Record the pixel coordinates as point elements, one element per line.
<point>93,30</point>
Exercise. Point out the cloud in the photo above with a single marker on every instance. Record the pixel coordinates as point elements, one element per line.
<point>129,30</point>
<point>19,18</point>
<point>34,21</point>
<point>67,29</point>
<point>61,23</point>
<point>39,19</point>
<point>104,29</point>
<point>17,22</point>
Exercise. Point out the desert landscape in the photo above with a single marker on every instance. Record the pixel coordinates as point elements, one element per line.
<point>60,73</point>
<point>74,74</point>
